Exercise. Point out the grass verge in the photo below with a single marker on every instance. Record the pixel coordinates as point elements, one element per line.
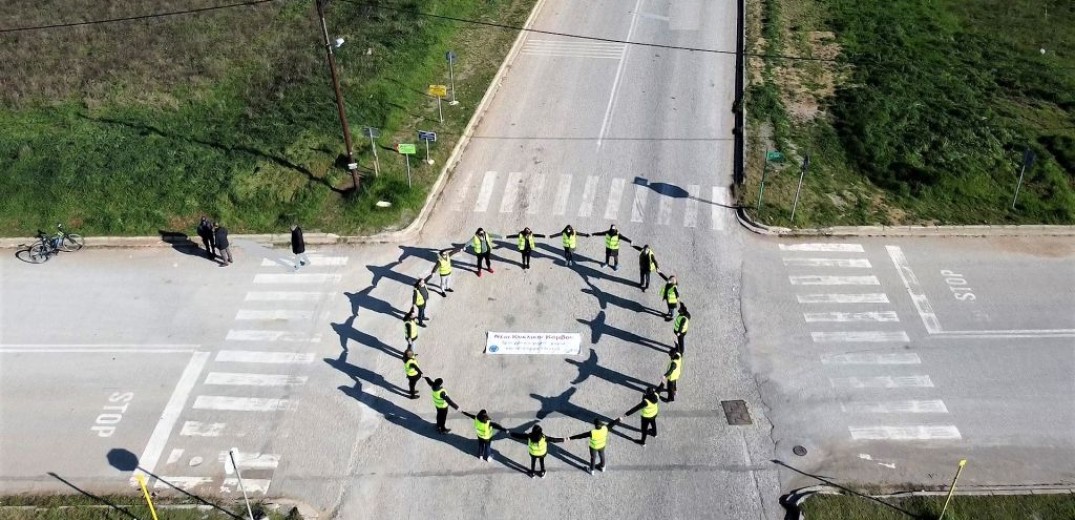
<point>123,507</point>
<point>999,507</point>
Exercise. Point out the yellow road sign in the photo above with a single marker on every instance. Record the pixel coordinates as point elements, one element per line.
<point>438,90</point>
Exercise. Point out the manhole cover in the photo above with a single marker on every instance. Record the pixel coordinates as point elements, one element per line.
<point>799,450</point>
<point>736,412</point>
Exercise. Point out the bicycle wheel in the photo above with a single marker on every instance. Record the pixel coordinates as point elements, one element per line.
<point>72,242</point>
<point>39,253</point>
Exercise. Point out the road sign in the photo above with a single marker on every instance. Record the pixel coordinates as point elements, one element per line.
<point>450,56</point>
<point>806,162</point>
<point>371,132</point>
<point>1028,158</point>
<point>774,156</point>
<point>438,91</point>
<point>427,136</point>
<point>407,149</point>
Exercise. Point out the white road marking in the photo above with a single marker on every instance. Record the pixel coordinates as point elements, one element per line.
<point>239,404</point>
<point>871,359</point>
<point>824,248</point>
<point>619,73</point>
<point>843,298</point>
<point>533,193</point>
<point>485,193</point>
<point>573,49</point>
<point>881,382</point>
<point>511,192</point>
<point>664,210</point>
<point>282,296</point>
<point>638,207</point>
<point>277,314</point>
<point>245,379</point>
<point>928,406</point>
<point>147,463</point>
<point>615,193</point>
<point>873,336</point>
<point>690,213</point>
<point>721,198</point>
<point>563,191</point>
<point>918,297</point>
<point>833,280</point>
<point>129,350</point>
<point>184,483</point>
<point>174,456</point>
<point>849,317</point>
<point>252,460</point>
<point>904,433</point>
<point>200,429</point>
<point>251,485</point>
<point>297,278</point>
<point>589,193</point>
<point>798,261</point>
<point>315,261</point>
<point>1030,333</point>
<point>250,356</point>
<point>272,335</point>
<point>461,197</point>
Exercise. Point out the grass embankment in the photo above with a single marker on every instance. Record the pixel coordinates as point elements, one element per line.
<point>923,116</point>
<point>1001,507</point>
<point>117,507</point>
<point>134,127</point>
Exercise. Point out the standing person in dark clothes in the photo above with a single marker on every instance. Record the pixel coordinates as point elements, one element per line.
<point>298,246</point>
<point>220,235</point>
<point>612,245</point>
<point>536,445</point>
<point>482,250</point>
<point>410,329</point>
<point>205,231</point>
<point>444,269</point>
<point>598,440</point>
<point>649,408</point>
<point>441,402</point>
<point>569,238</point>
<point>671,375</point>
<point>670,294</point>
<point>419,298</point>
<point>410,368</point>
<point>680,326</point>
<point>483,428</point>
<point>647,264</point>
<point>526,244</point>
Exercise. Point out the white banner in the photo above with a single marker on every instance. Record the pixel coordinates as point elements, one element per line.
<point>557,344</point>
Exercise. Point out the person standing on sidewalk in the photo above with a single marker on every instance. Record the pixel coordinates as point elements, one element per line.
<point>598,440</point>
<point>483,428</point>
<point>647,264</point>
<point>569,238</point>
<point>537,446</point>
<point>444,269</point>
<point>441,402</point>
<point>410,368</point>
<point>670,294</point>
<point>410,329</point>
<point>680,326</point>
<point>671,375</point>
<point>205,231</point>
<point>298,246</point>
<point>526,245</point>
<point>419,298</point>
<point>220,236</point>
<point>650,409</point>
<point>612,245</point>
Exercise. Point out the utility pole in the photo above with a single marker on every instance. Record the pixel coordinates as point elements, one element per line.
<point>352,166</point>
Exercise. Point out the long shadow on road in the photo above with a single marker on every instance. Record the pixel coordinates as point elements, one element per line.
<point>347,332</point>
<point>590,367</point>
<point>598,328</point>
<point>358,373</point>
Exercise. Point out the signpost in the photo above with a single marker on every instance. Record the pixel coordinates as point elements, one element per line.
<point>1028,161</point>
<point>407,150</point>
<point>555,344</point>
<point>233,467</point>
<point>450,58</point>
<point>439,91</point>
<point>770,156</point>
<point>952,488</point>
<point>428,137</point>
<point>802,173</point>
<point>373,133</point>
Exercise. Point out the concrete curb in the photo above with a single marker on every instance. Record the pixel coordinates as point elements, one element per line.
<point>906,231</point>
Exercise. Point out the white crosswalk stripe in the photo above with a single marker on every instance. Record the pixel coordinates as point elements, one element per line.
<point>882,382</point>
<point>911,406</point>
<point>533,193</point>
<point>251,485</point>
<point>252,461</point>
<point>272,335</point>
<point>615,193</point>
<point>240,404</point>
<point>847,317</point>
<point>638,206</point>
<point>843,298</point>
<point>461,197</point>
<point>511,192</point>
<point>297,278</point>
<point>315,261</point>
<point>872,336</point>
<point>249,356</point>
<point>485,193</point>
<point>690,212</point>
<point>664,210</point>
<point>200,429</point>
<point>904,433</point>
<point>573,48</point>
<point>242,379</point>
<point>867,358</point>
<point>589,193</point>
<point>563,191</point>
<point>824,248</point>
<point>833,280</point>
<point>282,296</point>
<point>274,315</point>
<point>721,200</point>
<point>797,261</point>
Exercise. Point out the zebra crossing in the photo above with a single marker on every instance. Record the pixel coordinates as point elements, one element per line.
<point>879,391</point>
<point>574,49</point>
<point>255,373</point>
<point>592,196</point>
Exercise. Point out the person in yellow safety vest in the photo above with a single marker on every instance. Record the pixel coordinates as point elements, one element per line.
<point>537,446</point>
<point>649,408</point>
<point>598,440</point>
<point>483,428</point>
<point>670,294</point>
<point>443,267</point>
<point>526,244</point>
<point>410,368</point>
<point>410,329</point>
<point>419,299</point>
<point>612,245</point>
<point>569,238</point>
<point>647,264</point>
<point>680,326</point>
<point>441,402</point>
<point>482,250</point>
<point>671,376</point>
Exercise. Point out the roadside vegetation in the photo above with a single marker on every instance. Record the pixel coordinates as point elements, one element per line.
<point>135,127</point>
<point>998,507</point>
<point>912,111</point>
<point>127,507</point>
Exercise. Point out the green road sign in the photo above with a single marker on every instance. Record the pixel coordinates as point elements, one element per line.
<point>774,156</point>
<point>406,149</point>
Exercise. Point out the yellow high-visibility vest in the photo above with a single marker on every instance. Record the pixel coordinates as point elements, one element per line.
<point>671,295</point>
<point>599,437</point>
<point>438,399</point>
<point>650,410</point>
<point>674,365</point>
<point>524,239</point>
<point>479,245</point>
<point>418,299</point>
<point>411,367</point>
<point>537,449</point>
<point>681,325</point>
<point>410,329</point>
<point>649,260</point>
<point>612,241</point>
<point>444,266</point>
<point>569,240</point>
<point>483,429</point>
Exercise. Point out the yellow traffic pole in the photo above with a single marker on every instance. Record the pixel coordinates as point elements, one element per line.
<point>952,488</point>
<point>145,492</point>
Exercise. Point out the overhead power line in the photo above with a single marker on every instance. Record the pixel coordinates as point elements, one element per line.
<point>132,18</point>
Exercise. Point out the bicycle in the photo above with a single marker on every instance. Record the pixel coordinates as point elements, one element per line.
<point>46,246</point>
<point>68,242</point>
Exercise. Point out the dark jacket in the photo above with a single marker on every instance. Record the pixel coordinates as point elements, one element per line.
<point>221,235</point>
<point>205,229</point>
<point>298,245</point>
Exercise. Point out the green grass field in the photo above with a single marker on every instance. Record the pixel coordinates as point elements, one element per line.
<point>126,507</point>
<point>135,127</point>
<point>1001,507</point>
<point>922,118</point>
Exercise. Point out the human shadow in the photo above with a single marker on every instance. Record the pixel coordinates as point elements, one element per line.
<point>590,367</point>
<point>560,452</point>
<point>182,243</point>
<point>405,418</point>
<point>561,404</point>
<point>388,271</point>
<point>558,254</point>
<point>356,372</point>
<point>662,188</point>
<point>534,254</point>
<point>832,483</point>
<point>599,327</point>
<point>347,332</point>
<point>364,300</point>
<point>605,298</point>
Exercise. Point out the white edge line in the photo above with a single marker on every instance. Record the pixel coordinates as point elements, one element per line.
<point>147,463</point>
<point>921,303</point>
<point>619,74</point>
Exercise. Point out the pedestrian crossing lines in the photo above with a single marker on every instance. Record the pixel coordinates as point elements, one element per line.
<point>590,196</point>
<point>847,318</point>
<point>573,49</point>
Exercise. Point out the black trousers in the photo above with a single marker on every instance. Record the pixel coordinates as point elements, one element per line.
<point>671,311</point>
<point>612,254</point>
<point>484,448</point>
<point>487,256</point>
<point>569,255</point>
<point>534,460</point>
<point>643,277</point>
<point>649,427</point>
<point>671,396</point>
<point>593,457</point>
<point>681,342</point>
<point>526,258</point>
<point>421,314</point>
<point>442,417</point>
<point>412,381</point>
<point>210,245</point>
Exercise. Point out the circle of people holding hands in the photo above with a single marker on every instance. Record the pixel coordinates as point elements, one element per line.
<point>537,441</point>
